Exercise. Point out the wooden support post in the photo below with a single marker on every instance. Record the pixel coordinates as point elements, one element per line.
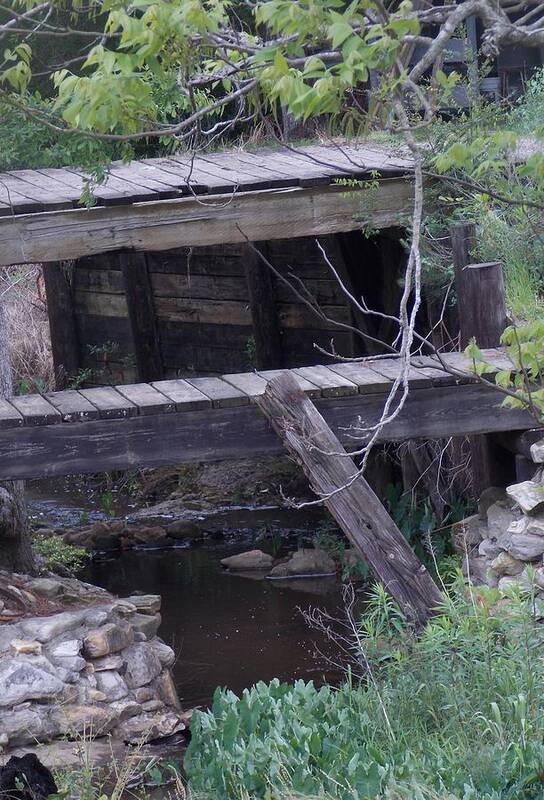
<point>141,312</point>
<point>62,322</point>
<point>262,302</point>
<point>482,316</point>
<point>349,498</point>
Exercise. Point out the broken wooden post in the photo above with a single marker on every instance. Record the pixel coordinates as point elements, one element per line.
<point>347,495</point>
<point>482,315</point>
<point>62,322</point>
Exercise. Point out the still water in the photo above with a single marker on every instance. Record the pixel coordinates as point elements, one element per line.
<point>226,629</point>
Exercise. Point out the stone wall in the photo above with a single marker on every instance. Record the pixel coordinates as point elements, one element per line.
<point>76,661</point>
<point>504,542</point>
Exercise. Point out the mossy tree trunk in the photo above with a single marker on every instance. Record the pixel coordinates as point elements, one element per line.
<point>15,544</point>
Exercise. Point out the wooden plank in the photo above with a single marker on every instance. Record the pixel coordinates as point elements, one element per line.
<point>134,175</point>
<point>9,416</point>
<point>221,393</point>
<point>391,369</point>
<point>264,313</point>
<point>146,398</point>
<point>35,409</point>
<point>42,198</point>
<point>160,439</point>
<point>331,383</point>
<point>76,182</point>
<point>165,224</point>
<point>125,192</point>
<point>142,316</point>
<point>363,376</point>
<point>349,498</point>
<point>195,178</point>
<point>73,406</point>
<point>47,185</point>
<point>247,382</point>
<point>184,396</point>
<point>62,321</point>
<point>109,402</point>
<point>306,385</point>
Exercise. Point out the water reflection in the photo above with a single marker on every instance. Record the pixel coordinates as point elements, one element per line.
<point>227,630</point>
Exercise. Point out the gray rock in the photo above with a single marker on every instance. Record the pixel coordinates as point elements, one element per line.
<point>143,694</point>
<point>45,629</point>
<point>468,533</point>
<point>537,452</point>
<point>72,664</point>
<point>305,562</point>
<point>74,720</point>
<point>29,726</point>
<point>147,727</point>
<point>506,564</point>
<point>251,560</point>
<point>125,709</point>
<point>143,665</point>
<point>167,690</point>
<point>108,639</point>
<point>489,548</point>
<point>500,516</point>
<point>164,653</point>
<point>148,626</point>
<point>115,662</point>
<point>111,684</point>
<point>146,603</point>
<point>67,649</point>
<point>526,546</point>
<point>535,525</point>
<point>522,581</point>
<point>46,587</point>
<point>489,496</point>
<point>183,529</point>
<point>26,679</point>
<point>529,496</point>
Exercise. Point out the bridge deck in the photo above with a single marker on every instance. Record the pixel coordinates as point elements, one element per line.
<point>213,418</point>
<point>209,198</point>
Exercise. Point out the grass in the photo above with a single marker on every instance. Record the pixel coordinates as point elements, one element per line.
<point>456,713</point>
<point>23,295</point>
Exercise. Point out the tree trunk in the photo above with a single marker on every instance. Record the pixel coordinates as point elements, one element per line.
<point>15,544</point>
<point>349,498</point>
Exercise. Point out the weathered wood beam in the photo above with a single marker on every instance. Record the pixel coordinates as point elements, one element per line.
<point>39,451</point>
<point>482,315</point>
<point>264,313</point>
<point>141,314</point>
<point>223,219</point>
<point>349,498</point>
<point>62,321</point>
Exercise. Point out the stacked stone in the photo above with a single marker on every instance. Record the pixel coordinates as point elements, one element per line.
<point>505,541</point>
<point>92,671</point>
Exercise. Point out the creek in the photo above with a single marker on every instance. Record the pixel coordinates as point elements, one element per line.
<point>227,629</point>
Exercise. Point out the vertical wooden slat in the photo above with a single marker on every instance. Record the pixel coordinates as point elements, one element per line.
<point>482,315</point>
<point>262,301</point>
<point>62,322</point>
<point>142,317</point>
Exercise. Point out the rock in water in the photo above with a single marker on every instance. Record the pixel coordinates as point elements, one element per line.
<point>26,778</point>
<point>252,560</point>
<point>305,562</point>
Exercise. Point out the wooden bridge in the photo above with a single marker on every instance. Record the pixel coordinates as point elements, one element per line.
<point>214,418</point>
<point>207,199</point>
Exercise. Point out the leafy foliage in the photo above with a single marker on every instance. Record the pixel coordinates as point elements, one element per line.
<point>525,384</point>
<point>456,713</point>
<point>56,554</point>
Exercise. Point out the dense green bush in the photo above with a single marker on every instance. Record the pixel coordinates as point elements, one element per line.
<point>457,713</point>
<point>57,555</point>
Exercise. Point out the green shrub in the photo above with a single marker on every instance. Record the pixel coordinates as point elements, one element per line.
<point>457,713</point>
<point>56,554</point>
